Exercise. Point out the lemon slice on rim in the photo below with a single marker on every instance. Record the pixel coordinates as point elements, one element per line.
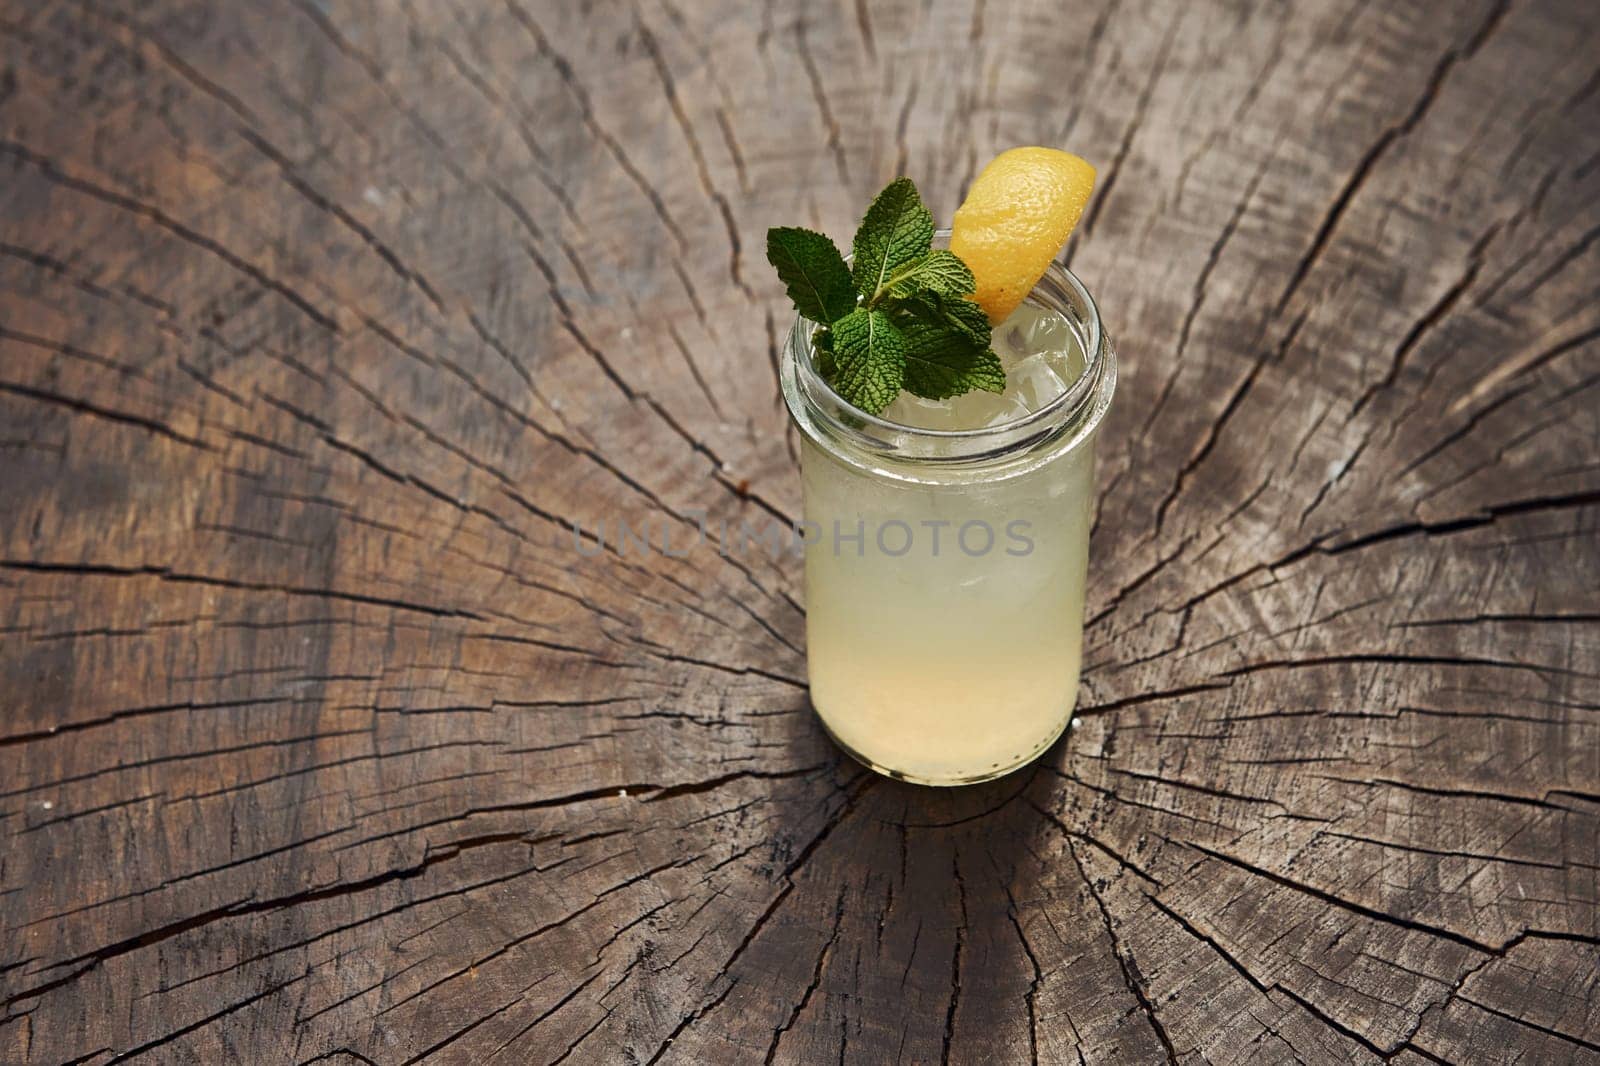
<point>1015,219</point>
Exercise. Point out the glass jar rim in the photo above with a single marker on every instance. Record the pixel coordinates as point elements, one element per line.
<point>810,398</point>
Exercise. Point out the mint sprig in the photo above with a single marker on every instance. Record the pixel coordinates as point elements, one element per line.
<point>898,317</point>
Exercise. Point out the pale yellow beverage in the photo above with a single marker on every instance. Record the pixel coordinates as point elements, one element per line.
<point>948,550</point>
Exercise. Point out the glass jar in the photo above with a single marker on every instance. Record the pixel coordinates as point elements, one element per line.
<point>945,570</point>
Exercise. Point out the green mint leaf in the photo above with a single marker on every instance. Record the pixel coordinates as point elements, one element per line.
<point>896,231</point>
<point>954,312</point>
<point>966,316</point>
<point>940,271</point>
<point>939,372</point>
<point>811,268</point>
<point>944,358</point>
<point>869,357</point>
<point>822,353</point>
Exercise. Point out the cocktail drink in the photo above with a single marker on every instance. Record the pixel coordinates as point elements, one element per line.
<point>948,549</point>
<point>948,388</point>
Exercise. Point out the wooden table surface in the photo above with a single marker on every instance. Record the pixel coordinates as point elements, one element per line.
<point>323,321</point>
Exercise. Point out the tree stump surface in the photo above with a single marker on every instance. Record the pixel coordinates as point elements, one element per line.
<point>322,324</point>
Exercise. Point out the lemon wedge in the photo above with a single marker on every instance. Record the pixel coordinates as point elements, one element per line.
<point>1015,219</point>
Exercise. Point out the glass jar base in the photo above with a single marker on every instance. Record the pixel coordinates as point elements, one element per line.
<point>949,782</point>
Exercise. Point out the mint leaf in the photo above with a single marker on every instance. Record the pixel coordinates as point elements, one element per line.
<point>952,312</point>
<point>896,231</point>
<point>811,268</point>
<point>822,352</point>
<point>869,359</point>
<point>943,358</point>
<point>942,370</point>
<point>940,271</point>
<point>966,316</point>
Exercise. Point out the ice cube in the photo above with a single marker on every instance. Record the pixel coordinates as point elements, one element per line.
<point>980,409</point>
<point>1068,363</point>
<point>972,410</point>
<point>914,411</point>
<point>1034,381</point>
<point>1031,329</point>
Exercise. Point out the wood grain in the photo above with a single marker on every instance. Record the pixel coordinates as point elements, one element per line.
<point>322,324</point>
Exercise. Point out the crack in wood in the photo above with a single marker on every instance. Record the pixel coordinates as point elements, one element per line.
<point>1130,976</point>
